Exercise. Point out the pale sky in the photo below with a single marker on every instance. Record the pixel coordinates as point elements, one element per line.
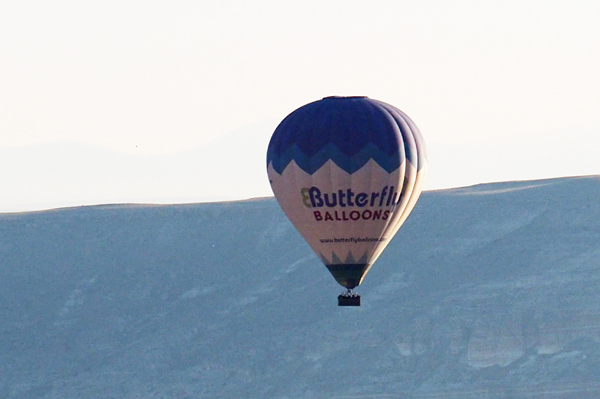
<point>501,90</point>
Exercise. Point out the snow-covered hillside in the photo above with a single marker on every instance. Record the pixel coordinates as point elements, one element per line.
<point>490,291</point>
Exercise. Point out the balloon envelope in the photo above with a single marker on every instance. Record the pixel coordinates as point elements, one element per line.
<point>347,171</point>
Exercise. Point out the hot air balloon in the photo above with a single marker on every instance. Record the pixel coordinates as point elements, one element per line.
<point>347,171</point>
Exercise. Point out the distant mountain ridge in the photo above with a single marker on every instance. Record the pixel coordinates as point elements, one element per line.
<point>490,291</point>
<point>62,174</point>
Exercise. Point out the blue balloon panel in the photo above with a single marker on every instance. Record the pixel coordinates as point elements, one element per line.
<point>347,130</point>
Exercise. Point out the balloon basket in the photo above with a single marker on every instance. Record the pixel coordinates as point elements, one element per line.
<point>349,299</point>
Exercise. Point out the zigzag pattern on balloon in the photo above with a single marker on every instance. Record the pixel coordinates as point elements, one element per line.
<point>350,164</point>
<point>349,260</point>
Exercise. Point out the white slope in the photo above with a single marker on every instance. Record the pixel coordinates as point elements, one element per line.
<point>491,291</point>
